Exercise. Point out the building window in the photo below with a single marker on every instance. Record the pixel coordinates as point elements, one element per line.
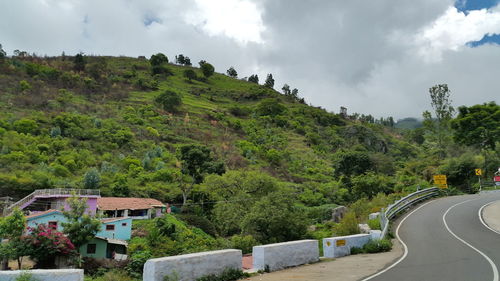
<point>91,248</point>
<point>124,224</point>
<point>53,224</point>
<point>110,227</point>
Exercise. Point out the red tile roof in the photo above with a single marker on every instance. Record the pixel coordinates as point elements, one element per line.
<point>127,203</point>
<point>42,213</point>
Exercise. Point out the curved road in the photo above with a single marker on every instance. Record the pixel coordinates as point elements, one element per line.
<point>446,240</point>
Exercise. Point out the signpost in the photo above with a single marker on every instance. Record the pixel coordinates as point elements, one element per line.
<point>440,181</point>
<point>479,172</point>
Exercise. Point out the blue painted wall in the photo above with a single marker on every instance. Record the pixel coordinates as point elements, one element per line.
<point>45,219</point>
<point>122,231</point>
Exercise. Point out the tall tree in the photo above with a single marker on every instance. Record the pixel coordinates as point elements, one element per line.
<point>207,69</point>
<point>197,161</point>
<point>269,81</point>
<point>254,78</point>
<point>231,72</point>
<point>286,90</point>
<point>81,227</point>
<point>438,126</point>
<point>79,62</point>
<point>12,228</point>
<point>3,54</point>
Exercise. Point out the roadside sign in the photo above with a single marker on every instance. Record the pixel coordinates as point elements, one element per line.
<point>479,172</point>
<point>440,181</point>
<point>340,242</point>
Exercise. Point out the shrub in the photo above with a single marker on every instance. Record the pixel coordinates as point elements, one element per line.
<point>348,225</point>
<point>243,242</point>
<point>136,263</point>
<point>169,100</point>
<point>26,126</point>
<point>374,223</point>
<point>46,243</point>
<point>228,274</point>
<point>377,246</point>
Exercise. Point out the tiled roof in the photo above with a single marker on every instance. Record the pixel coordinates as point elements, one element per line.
<point>43,213</point>
<point>127,203</point>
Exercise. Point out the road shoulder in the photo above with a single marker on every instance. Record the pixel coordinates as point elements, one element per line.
<point>350,268</point>
<point>491,215</point>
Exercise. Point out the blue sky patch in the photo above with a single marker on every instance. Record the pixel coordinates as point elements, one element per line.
<point>468,5</point>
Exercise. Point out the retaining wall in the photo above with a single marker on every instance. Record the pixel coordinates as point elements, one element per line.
<point>191,266</point>
<point>335,247</point>
<point>45,274</point>
<point>281,255</point>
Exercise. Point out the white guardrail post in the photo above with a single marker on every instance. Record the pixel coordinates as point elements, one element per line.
<point>392,210</point>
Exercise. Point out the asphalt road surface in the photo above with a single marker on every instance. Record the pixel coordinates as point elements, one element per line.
<point>446,240</point>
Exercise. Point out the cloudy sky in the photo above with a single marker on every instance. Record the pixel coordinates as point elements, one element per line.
<point>374,57</point>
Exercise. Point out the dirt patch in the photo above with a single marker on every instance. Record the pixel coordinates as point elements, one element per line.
<point>350,268</point>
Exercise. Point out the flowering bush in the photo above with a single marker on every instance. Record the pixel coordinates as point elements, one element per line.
<point>47,243</point>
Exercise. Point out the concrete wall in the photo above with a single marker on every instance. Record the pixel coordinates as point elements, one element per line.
<point>45,274</point>
<point>340,246</point>
<point>281,255</point>
<point>192,266</point>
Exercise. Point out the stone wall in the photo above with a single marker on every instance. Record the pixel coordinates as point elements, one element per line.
<point>45,274</point>
<point>281,255</point>
<point>191,266</point>
<point>340,246</point>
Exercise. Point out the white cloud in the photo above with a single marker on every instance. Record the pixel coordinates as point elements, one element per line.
<point>237,19</point>
<point>454,29</point>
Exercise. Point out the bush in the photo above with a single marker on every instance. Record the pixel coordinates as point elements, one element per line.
<point>374,223</point>
<point>169,100</point>
<point>348,225</point>
<point>243,242</point>
<point>377,246</point>
<point>228,274</point>
<point>136,263</point>
<point>26,126</point>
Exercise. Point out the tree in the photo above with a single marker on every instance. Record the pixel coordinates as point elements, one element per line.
<point>3,54</point>
<point>158,59</point>
<point>179,59</point>
<point>92,179</point>
<point>274,218</point>
<point>44,244</point>
<point>231,72</point>
<point>12,228</point>
<point>254,78</point>
<point>79,62</point>
<point>81,227</point>
<point>207,69</point>
<point>286,90</point>
<point>352,163</point>
<point>189,74</point>
<point>269,81</point>
<point>295,93</point>
<point>197,161</point>
<point>270,107</point>
<point>478,125</point>
<point>202,62</point>
<point>169,100</point>
<point>438,127</point>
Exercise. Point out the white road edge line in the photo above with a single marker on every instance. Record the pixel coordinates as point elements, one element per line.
<point>492,264</point>
<point>480,214</point>
<point>403,243</point>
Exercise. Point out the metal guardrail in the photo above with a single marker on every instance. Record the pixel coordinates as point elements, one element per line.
<point>402,204</point>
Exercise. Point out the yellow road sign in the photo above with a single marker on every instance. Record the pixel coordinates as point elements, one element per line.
<point>340,242</point>
<point>440,181</point>
<point>479,172</point>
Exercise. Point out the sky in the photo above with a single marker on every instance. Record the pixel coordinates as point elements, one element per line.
<point>373,57</point>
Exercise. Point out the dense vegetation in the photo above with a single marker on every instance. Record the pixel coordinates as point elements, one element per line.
<point>244,163</point>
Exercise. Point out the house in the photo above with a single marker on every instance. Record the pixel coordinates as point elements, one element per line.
<point>52,218</point>
<point>109,242</point>
<point>42,200</point>
<point>135,208</point>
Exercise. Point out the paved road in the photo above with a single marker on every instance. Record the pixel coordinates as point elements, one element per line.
<point>446,240</point>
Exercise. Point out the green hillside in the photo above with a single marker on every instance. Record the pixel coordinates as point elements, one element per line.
<point>242,162</point>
